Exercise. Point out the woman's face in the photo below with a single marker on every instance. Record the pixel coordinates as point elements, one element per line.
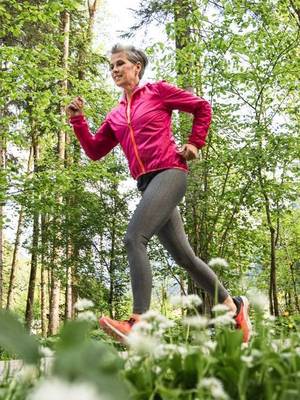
<point>123,71</point>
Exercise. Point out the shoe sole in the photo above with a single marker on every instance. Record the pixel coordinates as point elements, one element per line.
<point>112,331</point>
<point>246,315</point>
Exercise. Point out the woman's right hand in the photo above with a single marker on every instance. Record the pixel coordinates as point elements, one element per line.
<point>75,107</point>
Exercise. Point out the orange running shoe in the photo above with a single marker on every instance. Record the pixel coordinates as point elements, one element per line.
<point>117,329</point>
<point>242,317</point>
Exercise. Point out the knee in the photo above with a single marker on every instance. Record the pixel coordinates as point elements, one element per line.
<point>133,240</point>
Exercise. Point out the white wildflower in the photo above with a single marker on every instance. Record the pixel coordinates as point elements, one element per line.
<point>210,345</point>
<point>215,387</point>
<point>190,301</point>
<point>287,343</point>
<point>132,361</point>
<point>248,360</point>
<point>46,352</point>
<point>155,321</point>
<point>167,350</point>
<point>83,304</point>
<point>28,373</point>
<point>225,319</point>
<point>87,316</point>
<point>275,345</point>
<point>156,369</point>
<point>154,316</point>
<point>256,353</point>
<point>244,346</point>
<point>196,321</point>
<point>258,299</point>
<point>56,389</point>
<point>218,262</point>
<point>220,308</point>
<point>268,317</point>
<point>140,343</point>
<point>142,326</point>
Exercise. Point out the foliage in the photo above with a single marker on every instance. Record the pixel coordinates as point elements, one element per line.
<point>197,359</point>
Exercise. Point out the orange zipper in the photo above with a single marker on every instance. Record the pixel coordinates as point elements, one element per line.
<point>133,139</point>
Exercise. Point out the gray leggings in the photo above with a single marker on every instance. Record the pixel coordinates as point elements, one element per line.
<point>157,214</point>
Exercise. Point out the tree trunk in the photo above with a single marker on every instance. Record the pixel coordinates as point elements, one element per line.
<point>274,309</point>
<point>12,277</point>
<point>295,288</point>
<point>44,277</point>
<point>68,291</point>
<point>16,247</point>
<point>112,260</point>
<point>54,316</point>
<point>34,249</point>
<point>2,169</point>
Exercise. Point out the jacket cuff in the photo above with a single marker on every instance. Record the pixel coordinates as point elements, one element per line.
<point>76,118</point>
<point>199,144</point>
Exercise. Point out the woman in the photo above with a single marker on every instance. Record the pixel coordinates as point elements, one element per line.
<point>141,123</point>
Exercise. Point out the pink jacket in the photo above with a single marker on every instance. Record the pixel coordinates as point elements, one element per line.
<point>145,133</point>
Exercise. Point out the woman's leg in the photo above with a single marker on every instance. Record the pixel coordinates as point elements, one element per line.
<point>173,238</point>
<point>160,198</point>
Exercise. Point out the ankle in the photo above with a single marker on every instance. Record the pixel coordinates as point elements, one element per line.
<point>229,302</point>
<point>137,317</point>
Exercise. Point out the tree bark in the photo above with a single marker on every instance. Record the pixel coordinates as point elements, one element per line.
<point>112,259</point>
<point>12,277</point>
<point>296,298</point>
<point>2,169</point>
<point>54,315</point>
<point>68,291</point>
<point>34,247</point>
<point>274,309</point>
<point>44,277</point>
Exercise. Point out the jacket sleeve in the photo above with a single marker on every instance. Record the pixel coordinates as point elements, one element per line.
<point>174,98</point>
<point>95,146</point>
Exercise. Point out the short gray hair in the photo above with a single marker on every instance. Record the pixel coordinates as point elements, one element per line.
<point>134,55</point>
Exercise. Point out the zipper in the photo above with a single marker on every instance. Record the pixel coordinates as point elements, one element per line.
<point>132,137</point>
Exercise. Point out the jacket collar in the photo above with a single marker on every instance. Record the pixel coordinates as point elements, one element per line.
<point>136,89</point>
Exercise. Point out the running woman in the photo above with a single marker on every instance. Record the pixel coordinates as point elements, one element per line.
<point>141,124</point>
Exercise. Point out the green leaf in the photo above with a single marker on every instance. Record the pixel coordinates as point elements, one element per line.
<point>15,339</point>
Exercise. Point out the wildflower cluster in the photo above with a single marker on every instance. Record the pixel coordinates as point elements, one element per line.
<point>84,314</point>
<point>210,362</point>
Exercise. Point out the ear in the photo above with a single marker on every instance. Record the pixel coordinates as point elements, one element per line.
<point>139,66</point>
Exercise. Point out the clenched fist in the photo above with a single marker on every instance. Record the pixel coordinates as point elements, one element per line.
<point>75,107</point>
<point>189,151</point>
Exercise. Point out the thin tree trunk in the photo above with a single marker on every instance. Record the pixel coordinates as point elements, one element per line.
<point>2,169</point>
<point>12,277</point>
<point>112,261</point>
<point>274,309</point>
<point>71,292</point>
<point>295,288</point>
<point>34,249</point>
<point>44,277</point>
<point>68,291</point>
<point>54,317</point>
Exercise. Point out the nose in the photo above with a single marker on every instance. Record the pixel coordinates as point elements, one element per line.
<point>115,69</point>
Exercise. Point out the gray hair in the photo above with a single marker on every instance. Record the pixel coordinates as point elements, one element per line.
<point>133,54</point>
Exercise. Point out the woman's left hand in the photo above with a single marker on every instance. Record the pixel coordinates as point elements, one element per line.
<point>189,152</point>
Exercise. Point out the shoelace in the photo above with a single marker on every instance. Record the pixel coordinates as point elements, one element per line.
<point>131,321</point>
